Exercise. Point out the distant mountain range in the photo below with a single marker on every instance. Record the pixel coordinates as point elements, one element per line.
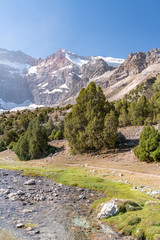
<point>57,79</point>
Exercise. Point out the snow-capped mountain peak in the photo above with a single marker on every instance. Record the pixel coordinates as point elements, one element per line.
<point>47,81</point>
<point>81,60</point>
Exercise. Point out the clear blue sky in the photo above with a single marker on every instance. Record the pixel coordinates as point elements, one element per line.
<point>87,27</point>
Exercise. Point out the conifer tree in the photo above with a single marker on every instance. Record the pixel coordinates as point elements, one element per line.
<point>85,123</point>
<point>110,129</point>
<point>34,142</point>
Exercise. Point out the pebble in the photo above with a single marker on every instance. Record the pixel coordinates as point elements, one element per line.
<point>121,174</point>
<point>20,225</point>
<point>30,182</point>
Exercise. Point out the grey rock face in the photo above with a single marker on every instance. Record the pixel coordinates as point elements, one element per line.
<point>134,64</point>
<point>62,75</point>
<point>95,68</point>
<point>13,82</point>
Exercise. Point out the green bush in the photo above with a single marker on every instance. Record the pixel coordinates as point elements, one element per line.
<point>58,135</point>
<point>53,133</point>
<point>134,221</point>
<point>148,149</point>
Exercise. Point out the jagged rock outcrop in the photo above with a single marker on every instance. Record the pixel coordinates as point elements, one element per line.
<point>137,68</point>
<point>95,68</point>
<point>135,64</point>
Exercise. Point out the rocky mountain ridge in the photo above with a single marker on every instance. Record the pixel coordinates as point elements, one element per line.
<point>58,78</point>
<point>137,68</point>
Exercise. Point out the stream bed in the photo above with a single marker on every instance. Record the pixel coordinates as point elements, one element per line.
<point>40,208</point>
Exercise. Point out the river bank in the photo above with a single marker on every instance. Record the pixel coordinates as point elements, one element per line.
<point>117,174</point>
<point>44,209</point>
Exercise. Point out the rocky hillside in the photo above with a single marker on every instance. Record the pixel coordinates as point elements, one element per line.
<point>137,68</point>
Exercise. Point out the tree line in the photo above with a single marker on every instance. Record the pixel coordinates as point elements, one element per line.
<point>90,125</point>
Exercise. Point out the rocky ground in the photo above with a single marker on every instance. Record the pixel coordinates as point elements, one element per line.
<point>42,209</point>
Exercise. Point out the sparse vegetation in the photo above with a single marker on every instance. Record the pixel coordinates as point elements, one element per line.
<point>6,236</point>
<point>31,225</point>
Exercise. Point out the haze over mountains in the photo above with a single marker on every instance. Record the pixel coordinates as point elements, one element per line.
<point>58,78</point>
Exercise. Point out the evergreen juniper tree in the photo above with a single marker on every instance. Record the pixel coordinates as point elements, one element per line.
<point>84,125</point>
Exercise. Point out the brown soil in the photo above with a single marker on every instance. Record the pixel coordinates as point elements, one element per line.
<point>119,160</point>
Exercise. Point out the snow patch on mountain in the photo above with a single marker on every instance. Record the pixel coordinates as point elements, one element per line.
<point>43,85</point>
<point>110,60</point>
<point>64,86</point>
<point>53,91</point>
<point>29,107</point>
<point>75,59</point>
<point>32,70</point>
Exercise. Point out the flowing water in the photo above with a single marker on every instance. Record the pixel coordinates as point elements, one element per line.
<point>49,210</point>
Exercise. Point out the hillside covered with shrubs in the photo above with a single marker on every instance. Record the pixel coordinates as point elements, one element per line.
<point>90,125</point>
<point>28,132</point>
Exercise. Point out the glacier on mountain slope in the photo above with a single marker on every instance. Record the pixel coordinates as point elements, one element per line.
<point>5,106</point>
<point>18,66</point>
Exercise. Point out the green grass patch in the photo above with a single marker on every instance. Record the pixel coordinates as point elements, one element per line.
<point>31,225</point>
<point>144,223</point>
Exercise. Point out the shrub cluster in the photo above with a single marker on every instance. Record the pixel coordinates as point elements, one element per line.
<point>148,149</point>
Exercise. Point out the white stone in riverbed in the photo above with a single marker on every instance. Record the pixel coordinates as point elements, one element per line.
<point>12,196</point>
<point>109,209</point>
<point>20,225</point>
<point>30,182</point>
